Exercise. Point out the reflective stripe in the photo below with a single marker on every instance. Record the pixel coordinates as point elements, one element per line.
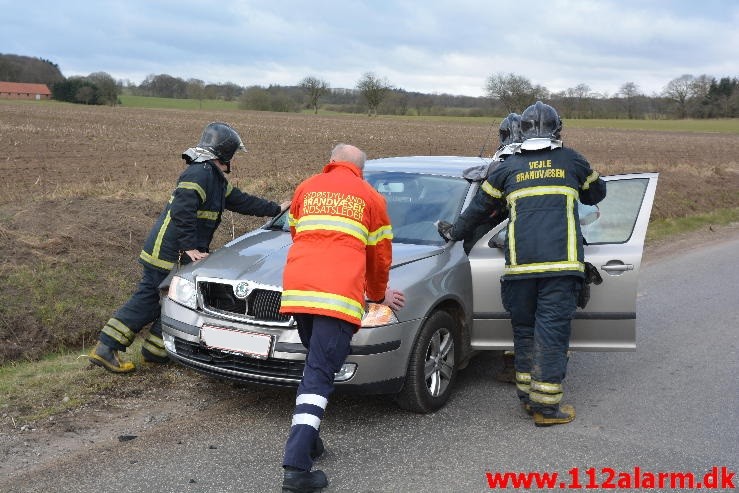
<point>156,261</point>
<point>543,190</point>
<point>512,234</point>
<point>229,189</point>
<point>491,190</point>
<point>291,220</point>
<point>523,387</point>
<point>212,215</point>
<point>522,381</point>
<point>155,345</point>
<point>546,387</point>
<point>545,392</point>
<point>590,179</point>
<point>313,399</point>
<point>326,301</point>
<point>572,261</point>
<point>119,331</point>
<point>332,223</point>
<point>160,236</point>
<point>306,419</point>
<point>544,267</point>
<point>382,233</point>
<point>189,185</point>
<point>545,398</point>
<point>571,230</point>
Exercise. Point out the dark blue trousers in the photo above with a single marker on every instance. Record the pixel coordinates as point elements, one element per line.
<point>541,314</point>
<point>327,340</point>
<point>141,309</point>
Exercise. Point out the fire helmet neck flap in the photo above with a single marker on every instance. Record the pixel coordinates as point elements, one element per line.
<point>540,121</point>
<point>222,140</point>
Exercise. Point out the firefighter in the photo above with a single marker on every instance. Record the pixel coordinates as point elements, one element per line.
<point>340,259</point>
<point>509,134</point>
<point>181,235</point>
<point>544,272</point>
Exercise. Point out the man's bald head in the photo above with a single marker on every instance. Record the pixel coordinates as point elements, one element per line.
<point>350,153</point>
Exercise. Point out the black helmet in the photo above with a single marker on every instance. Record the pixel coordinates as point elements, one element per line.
<point>222,140</point>
<point>540,120</point>
<point>510,129</point>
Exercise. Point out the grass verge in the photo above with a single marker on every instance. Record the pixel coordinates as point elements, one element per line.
<point>664,228</point>
<point>32,391</point>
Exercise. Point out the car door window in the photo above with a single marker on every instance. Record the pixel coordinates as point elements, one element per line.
<point>618,212</point>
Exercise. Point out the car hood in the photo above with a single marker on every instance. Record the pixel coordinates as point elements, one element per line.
<point>260,256</point>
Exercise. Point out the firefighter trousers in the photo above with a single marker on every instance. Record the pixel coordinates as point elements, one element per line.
<point>142,308</point>
<point>327,340</point>
<point>541,314</point>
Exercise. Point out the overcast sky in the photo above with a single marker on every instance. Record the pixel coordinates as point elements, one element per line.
<point>430,46</point>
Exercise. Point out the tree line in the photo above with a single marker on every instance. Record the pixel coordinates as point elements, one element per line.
<point>686,96</point>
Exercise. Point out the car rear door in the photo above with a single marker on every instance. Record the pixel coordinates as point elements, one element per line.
<point>615,242</point>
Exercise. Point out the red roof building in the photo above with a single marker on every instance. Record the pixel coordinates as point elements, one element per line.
<point>19,90</point>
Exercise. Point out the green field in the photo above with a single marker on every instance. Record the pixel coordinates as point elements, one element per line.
<point>726,125</point>
<point>180,104</point>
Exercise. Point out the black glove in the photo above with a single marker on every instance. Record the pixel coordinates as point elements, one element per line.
<point>445,230</point>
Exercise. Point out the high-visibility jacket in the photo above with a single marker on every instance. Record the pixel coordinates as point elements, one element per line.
<point>193,214</point>
<point>540,189</point>
<point>342,245</point>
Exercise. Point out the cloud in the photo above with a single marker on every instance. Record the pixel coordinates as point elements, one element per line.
<point>433,46</point>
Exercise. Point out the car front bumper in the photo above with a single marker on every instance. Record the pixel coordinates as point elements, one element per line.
<point>376,365</point>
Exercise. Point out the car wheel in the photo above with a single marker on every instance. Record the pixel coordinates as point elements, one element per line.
<point>433,365</point>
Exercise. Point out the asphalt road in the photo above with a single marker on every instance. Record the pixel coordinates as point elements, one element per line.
<point>671,406</point>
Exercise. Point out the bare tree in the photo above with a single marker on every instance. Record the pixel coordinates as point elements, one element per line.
<point>373,89</point>
<point>314,88</point>
<point>678,91</point>
<point>629,91</point>
<point>514,92</point>
<point>195,89</point>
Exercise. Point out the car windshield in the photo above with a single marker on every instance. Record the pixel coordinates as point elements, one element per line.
<point>414,202</point>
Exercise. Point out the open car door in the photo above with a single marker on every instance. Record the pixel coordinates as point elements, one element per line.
<point>614,245</point>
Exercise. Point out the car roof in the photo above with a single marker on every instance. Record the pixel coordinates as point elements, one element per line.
<point>433,165</point>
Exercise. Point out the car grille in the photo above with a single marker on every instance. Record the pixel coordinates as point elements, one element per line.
<point>278,368</point>
<point>260,305</point>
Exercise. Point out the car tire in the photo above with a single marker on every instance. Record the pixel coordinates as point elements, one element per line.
<point>432,368</point>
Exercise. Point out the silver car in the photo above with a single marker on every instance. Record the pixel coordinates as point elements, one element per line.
<point>221,315</point>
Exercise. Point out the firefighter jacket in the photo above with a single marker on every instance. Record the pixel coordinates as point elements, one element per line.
<point>193,213</point>
<point>540,189</point>
<point>342,247</point>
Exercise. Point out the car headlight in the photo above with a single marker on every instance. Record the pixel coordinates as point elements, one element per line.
<point>183,292</point>
<point>377,315</point>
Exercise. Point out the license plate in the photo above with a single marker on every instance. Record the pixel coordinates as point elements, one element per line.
<point>237,341</point>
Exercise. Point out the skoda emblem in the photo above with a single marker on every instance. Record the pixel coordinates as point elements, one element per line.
<point>242,290</point>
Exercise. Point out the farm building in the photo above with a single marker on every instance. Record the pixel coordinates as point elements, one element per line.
<point>18,90</point>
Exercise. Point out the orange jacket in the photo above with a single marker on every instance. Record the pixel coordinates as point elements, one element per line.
<point>341,249</point>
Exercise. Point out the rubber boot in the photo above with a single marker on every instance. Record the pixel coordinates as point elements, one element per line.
<point>299,481</point>
<point>508,373</point>
<point>557,416</point>
<point>107,357</point>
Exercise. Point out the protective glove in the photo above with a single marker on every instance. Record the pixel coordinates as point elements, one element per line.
<point>445,229</point>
